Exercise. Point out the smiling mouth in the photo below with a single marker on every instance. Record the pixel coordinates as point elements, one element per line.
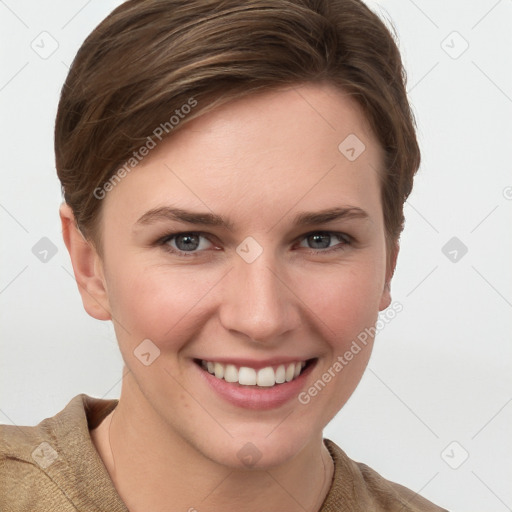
<point>267,377</point>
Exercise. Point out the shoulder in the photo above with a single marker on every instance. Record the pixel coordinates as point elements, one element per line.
<point>26,453</point>
<point>37,464</point>
<point>24,485</point>
<point>370,491</point>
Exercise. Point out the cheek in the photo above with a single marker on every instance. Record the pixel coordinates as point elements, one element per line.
<point>158,303</point>
<point>344,309</point>
<point>344,303</point>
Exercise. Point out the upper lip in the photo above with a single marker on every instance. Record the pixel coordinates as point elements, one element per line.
<point>256,364</point>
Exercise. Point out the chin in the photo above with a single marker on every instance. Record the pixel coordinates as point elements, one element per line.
<point>259,449</point>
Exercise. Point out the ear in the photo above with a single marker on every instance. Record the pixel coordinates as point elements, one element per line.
<point>392,255</point>
<point>87,267</point>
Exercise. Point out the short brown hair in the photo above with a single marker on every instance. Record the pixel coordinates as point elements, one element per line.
<point>150,57</point>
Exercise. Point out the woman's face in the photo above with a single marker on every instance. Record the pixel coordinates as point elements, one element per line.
<point>250,239</point>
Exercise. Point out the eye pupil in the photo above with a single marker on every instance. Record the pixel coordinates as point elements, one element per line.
<point>188,242</point>
<point>319,240</point>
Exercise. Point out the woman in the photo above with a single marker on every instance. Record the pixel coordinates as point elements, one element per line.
<point>234,175</point>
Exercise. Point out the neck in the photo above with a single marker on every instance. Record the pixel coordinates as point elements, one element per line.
<point>133,442</point>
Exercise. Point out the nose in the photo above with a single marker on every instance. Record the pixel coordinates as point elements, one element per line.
<point>258,303</point>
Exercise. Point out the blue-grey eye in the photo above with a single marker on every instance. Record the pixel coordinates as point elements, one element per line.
<point>188,242</point>
<point>323,240</point>
<point>320,241</point>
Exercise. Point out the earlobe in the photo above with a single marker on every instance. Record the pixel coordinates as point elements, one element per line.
<point>87,267</point>
<point>392,256</point>
<point>385,299</point>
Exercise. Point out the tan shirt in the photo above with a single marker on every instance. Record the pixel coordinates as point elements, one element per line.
<point>54,466</point>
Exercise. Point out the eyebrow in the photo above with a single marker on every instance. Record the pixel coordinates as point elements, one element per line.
<point>211,219</point>
<point>324,216</point>
<point>177,214</point>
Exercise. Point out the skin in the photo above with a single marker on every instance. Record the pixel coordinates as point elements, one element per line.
<point>257,162</point>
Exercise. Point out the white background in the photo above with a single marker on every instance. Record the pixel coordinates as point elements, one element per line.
<point>441,370</point>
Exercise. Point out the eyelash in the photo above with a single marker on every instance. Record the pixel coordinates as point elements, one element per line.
<point>343,237</point>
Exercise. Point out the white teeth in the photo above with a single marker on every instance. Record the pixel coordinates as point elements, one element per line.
<point>280,374</point>
<point>290,372</point>
<point>247,376</point>
<point>219,370</point>
<point>264,377</point>
<point>231,373</point>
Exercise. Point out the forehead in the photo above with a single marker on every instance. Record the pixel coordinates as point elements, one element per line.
<point>264,153</point>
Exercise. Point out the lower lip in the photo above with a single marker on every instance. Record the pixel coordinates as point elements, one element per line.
<point>255,397</point>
